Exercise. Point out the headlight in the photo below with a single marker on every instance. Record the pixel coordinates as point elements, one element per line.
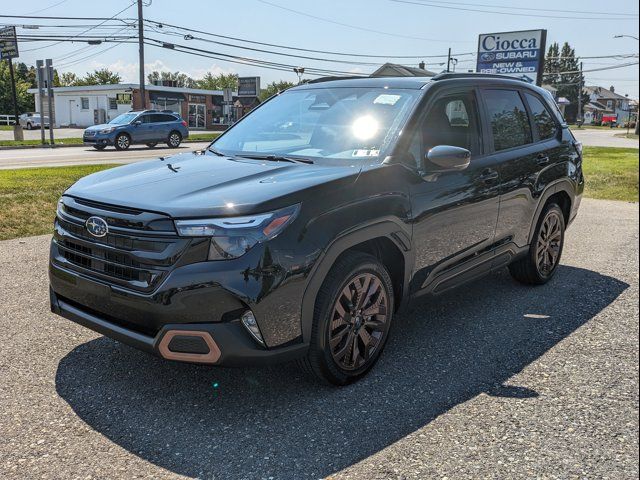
<point>107,130</point>
<point>232,237</point>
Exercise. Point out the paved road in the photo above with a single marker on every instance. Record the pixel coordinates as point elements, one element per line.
<point>604,138</point>
<point>495,380</point>
<point>58,157</point>
<point>35,134</point>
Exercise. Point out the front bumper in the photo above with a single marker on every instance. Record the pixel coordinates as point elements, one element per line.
<point>99,139</point>
<point>233,346</point>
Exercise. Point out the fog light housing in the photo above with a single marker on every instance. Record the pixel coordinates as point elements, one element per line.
<point>249,322</point>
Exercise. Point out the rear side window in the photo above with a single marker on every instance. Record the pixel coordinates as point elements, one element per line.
<point>162,117</point>
<point>542,117</point>
<point>508,119</point>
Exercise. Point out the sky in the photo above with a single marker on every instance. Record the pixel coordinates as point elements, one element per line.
<point>421,28</point>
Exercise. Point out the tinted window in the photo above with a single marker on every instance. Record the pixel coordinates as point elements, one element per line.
<point>541,117</point>
<point>162,117</point>
<point>508,118</point>
<point>452,120</point>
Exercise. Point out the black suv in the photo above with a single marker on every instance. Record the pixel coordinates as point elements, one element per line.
<point>302,230</point>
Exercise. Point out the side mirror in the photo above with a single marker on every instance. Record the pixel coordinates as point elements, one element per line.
<point>449,158</point>
<point>137,122</point>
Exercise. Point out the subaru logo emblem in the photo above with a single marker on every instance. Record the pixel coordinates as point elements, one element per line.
<point>96,226</point>
<point>488,57</point>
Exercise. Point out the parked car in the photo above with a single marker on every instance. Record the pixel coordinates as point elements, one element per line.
<point>301,230</point>
<point>148,127</point>
<point>31,120</point>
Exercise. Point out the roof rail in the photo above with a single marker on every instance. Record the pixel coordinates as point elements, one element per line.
<point>448,75</point>
<point>329,79</point>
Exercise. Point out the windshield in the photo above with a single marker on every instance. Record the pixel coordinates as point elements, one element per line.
<point>336,123</point>
<point>123,119</point>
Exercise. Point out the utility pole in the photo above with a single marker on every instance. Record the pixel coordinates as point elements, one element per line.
<point>143,94</point>
<point>580,120</point>
<point>449,60</point>
<point>17,130</point>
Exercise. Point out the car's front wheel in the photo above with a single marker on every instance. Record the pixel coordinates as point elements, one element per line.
<point>174,139</point>
<point>122,142</point>
<point>545,251</point>
<point>352,317</point>
<point>29,126</point>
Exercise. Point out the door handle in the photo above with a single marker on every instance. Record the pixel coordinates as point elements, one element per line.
<point>488,176</point>
<point>542,159</point>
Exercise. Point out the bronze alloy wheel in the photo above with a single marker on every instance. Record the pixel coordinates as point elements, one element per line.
<point>549,243</point>
<point>358,321</point>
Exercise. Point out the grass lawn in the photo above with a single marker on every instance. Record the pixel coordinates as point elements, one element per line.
<point>194,137</point>
<point>611,173</point>
<point>6,127</point>
<point>632,136</point>
<point>29,195</point>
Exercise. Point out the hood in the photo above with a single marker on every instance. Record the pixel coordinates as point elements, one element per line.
<point>201,185</point>
<point>102,126</point>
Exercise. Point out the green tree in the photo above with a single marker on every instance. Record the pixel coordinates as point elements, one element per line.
<point>273,88</point>
<point>25,100</point>
<point>181,79</point>
<point>218,82</point>
<point>68,79</point>
<point>101,76</point>
<point>562,71</point>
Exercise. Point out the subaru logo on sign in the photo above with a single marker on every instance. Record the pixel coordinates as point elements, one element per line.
<point>488,57</point>
<point>96,226</point>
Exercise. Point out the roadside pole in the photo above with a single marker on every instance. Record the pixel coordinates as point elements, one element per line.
<point>579,118</point>
<point>49,77</point>
<point>143,95</point>
<point>449,60</point>
<point>17,128</point>
<point>40,79</point>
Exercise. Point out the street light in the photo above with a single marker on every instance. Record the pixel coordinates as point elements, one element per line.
<point>629,36</point>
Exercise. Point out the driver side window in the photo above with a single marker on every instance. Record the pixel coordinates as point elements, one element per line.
<point>451,120</point>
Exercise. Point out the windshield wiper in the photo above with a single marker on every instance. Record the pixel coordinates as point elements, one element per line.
<point>216,152</point>
<point>277,158</point>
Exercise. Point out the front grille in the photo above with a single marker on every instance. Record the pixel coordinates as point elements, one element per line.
<point>90,133</point>
<point>132,258</point>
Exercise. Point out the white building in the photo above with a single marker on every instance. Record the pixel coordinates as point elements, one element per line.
<point>84,106</point>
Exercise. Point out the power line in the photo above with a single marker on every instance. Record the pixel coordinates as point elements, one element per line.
<point>506,7</point>
<point>275,45</point>
<point>495,12</point>
<point>356,27</point>
<point>47,8</point>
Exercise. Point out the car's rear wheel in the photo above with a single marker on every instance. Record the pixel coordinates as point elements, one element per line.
<point>545,251</point>
<point>174,139</point>
<point>152,144</point>
<point>123,141</point>
<point>352,317</point>
<point>99,147</point>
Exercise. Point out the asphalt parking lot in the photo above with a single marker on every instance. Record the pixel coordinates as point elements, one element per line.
<point>494,380</point>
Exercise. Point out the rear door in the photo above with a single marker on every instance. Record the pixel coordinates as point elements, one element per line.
<point>161,124</point>
<point>524,135</point>
<point>454,213</point>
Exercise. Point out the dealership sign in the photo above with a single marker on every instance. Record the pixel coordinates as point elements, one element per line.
<point>248,86</point>
<point>517,54</point>
<point>8,43</point>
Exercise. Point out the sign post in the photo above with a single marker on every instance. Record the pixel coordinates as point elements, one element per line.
<point>516,54</point>
<point>8,51</point>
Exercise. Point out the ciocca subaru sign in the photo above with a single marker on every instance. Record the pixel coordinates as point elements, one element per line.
<point>517,54</point>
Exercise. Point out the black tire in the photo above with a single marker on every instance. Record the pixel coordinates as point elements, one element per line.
<point>99,147</point>
<point>326,345</point>
<point>542,260</point>
<point>122,142</point>
<point>151,144</point>
<point>29,126</point>
<point>174,139</point>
